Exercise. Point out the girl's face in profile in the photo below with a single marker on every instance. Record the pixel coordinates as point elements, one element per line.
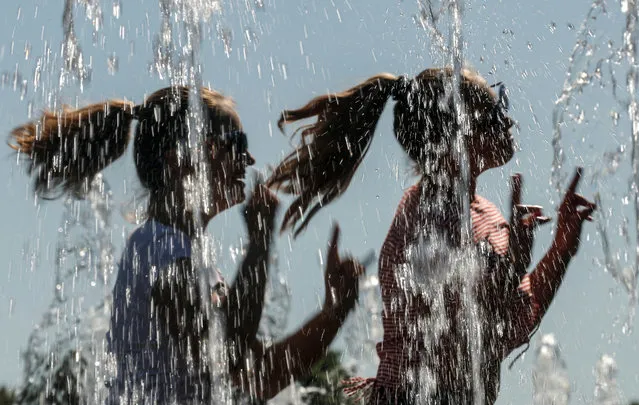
<point>491,143</point>
<point>229,158</point>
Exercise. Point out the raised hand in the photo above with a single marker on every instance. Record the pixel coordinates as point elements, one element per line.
<point>524,219</point>
<point>573,211</point>
<point>260,212</point>
<point>341,280</point>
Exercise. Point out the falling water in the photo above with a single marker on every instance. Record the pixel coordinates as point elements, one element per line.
<point>587,68</point>
<point>68,343</point>
<point>363,329</point>
<point>75,67</point>
<point>67,336</point>
<point>434,253</point>
<point>277,304</point>
<point>631,41</point>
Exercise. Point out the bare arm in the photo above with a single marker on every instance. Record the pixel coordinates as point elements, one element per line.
<point>245,300</point>
<point>547,277</point>
<point>292,358</point>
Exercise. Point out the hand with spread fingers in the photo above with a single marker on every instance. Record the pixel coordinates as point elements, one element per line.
<point>341,280</point>
<point>573,211</point>
<point>524,219</point>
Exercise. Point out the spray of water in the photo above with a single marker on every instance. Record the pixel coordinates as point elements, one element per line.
<point>606,389</point>
<point>593,62</point>
<point>363,329</point>
<point>68,343</point>
<point>551,385</point>
<point>434,254</point>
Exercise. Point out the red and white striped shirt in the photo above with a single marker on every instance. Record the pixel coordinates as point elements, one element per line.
<point>396,351</point>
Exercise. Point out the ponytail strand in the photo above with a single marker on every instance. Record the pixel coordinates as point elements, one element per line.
<point>67,149</point>
<point>320,169</point>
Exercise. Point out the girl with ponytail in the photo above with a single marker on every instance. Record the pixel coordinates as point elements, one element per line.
<point>160,319</point>
<point>425,125</point>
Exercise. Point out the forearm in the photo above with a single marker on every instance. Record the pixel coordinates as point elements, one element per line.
<point>246,296</point>
<point>294,357</point>
<point>547,277</point>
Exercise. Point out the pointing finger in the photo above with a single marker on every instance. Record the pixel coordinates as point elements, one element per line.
<point>515,182</point>
<point>333,252</point>
<point>575,180</point>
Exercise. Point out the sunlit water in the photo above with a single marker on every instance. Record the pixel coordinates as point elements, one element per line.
<point>71,334</point>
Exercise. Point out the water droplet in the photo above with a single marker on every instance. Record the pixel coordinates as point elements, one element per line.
<point>615,117</point>
<point>117,9</point>
<point>112,64</point>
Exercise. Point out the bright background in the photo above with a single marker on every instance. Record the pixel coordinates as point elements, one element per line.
<point>291,50</point>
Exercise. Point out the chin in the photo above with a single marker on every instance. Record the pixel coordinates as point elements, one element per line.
<point>228,199</point>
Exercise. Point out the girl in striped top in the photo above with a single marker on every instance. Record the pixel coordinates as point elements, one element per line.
<point>511,301</point>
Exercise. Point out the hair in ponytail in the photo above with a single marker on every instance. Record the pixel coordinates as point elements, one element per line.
<point>331,149</point>
<point>67,149</point>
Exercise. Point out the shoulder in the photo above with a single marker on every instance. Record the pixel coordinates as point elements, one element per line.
<point>486,210</point>
<point>161,243</point>
<point>402,221</point>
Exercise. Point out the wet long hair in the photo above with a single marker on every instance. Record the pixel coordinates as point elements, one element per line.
<point>66,149</point>
<point>331,149</point>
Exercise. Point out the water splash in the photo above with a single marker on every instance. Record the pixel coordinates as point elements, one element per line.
<point>551,385</point>
<point>363,329</point>
<point>277,304</point>
<point>595,60</point>
<point>606,389</point>
<point>68,342</point>
<point>74,66</point>
<point>630,43</point>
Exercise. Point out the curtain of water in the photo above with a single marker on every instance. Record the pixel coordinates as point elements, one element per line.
<point>65,355</point>
<point>462,266</point>
<point>68,343</point>
<point>177,57</point>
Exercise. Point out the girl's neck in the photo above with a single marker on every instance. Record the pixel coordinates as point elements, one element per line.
<point>165,209</point>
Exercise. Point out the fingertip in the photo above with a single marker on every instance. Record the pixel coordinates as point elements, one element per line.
<point>335,236</point>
